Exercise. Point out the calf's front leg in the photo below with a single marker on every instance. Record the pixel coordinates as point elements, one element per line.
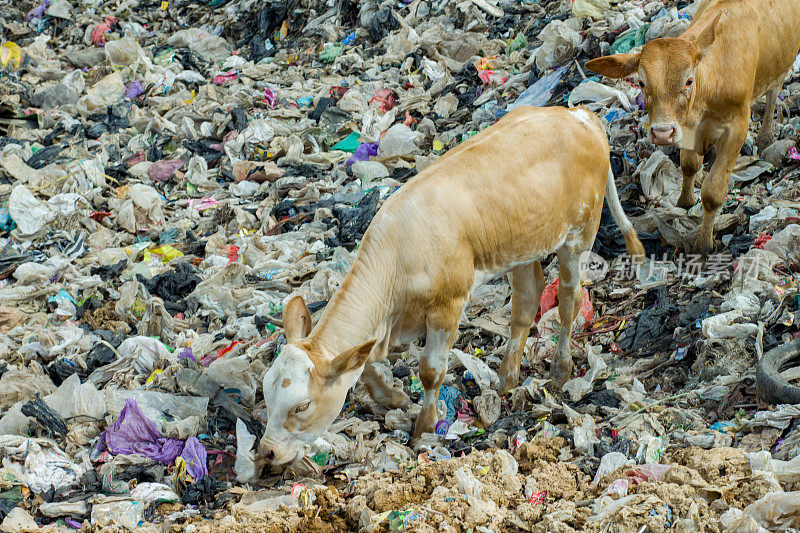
<point>715,186</point>
<point>442,328</point>
<point>691,163</point>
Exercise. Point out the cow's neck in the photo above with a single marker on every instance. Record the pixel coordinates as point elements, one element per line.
<point>357,309</point>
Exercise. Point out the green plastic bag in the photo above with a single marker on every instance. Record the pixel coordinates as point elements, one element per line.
<point>519,42</point>
<point>330,52</point>
<point>349,143</point>
<point>629,40</point>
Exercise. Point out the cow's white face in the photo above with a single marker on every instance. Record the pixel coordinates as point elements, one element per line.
<point>294,416</point>
<point>304,391</point>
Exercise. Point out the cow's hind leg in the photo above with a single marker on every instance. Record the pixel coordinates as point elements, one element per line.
<point>569,304</point>
<point>766,133</point>
<point>527,284</point>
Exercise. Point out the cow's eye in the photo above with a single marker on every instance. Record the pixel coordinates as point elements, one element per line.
<point>689,82</point>
<point>302,407</point>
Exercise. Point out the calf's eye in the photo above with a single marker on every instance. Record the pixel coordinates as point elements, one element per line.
<point>302,407</point>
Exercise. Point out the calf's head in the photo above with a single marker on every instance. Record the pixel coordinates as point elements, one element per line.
<point>304,389</point>
<point>666,69</point>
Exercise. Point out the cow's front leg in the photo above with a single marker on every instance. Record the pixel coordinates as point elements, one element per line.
<point>382,392</point>
<point>442,327</point>
<point>715,186</point>
<point>691,163</point>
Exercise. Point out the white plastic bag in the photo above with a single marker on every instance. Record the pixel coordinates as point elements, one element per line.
<point>660,178</point>
<point>785,471</point>
<point>775,511</point>
<point>609,463</point>
<point>247,469</point>
<point>30,214</point>
<point>485,377</point>
<point>467,483</point>
<point>559,45</point>
<point>398,141</point>
<point>595,96</point>
<point>102,94</point>
<point>584,435</point>
<point>73,398</point>
<point>722,326</point>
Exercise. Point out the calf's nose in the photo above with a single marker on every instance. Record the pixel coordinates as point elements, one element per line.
<point>663,135</point>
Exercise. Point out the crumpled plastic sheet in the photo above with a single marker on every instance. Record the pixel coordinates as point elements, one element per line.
<point>134,433</point>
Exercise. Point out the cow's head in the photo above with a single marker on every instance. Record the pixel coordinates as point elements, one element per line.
<point>304,389</point>
<point>666,69</point>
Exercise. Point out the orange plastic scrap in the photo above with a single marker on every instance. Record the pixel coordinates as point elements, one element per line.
<point>485,63</point>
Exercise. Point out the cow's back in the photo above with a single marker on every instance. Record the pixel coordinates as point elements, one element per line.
<point>756,42</point>
<point>508,195</point>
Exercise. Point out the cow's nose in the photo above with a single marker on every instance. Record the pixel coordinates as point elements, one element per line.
<point>269,455</point>
<point>663,135</point>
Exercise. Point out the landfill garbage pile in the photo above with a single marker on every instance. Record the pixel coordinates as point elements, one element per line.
<point>171,173</point>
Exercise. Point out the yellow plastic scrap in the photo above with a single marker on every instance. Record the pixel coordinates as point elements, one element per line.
<point>590,8</point>
<point>166,252</point>
<point>152,377</point>
<point>181,477</point>
<point>10,54</point>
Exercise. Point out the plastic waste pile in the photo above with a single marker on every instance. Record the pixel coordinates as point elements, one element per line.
<point>171,173</point>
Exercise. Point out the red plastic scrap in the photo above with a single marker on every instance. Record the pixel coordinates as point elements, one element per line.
<point>99,215</point>
<point>549,300</point>
<point>762,239</point>
<point>222,351</point>
<point>386,98</point>
<point>99,31</point>
<point>538,498</point>
<point>134,159</point>
<point>233,254</point>
<point>488,76</point>
<point>337,92</point>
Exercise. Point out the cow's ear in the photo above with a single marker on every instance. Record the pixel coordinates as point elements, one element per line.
<point>706,38</point>
<point>296,319</point>
<point>352,359</point>
<point>616,66</point>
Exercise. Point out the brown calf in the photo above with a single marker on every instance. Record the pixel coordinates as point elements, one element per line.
<point>699,87</point>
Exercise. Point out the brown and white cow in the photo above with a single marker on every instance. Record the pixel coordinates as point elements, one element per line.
<point>698,88</point>
<point>528,186</point>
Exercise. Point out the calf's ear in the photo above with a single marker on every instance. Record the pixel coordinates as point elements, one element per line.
<point>706,38</point>
<point>616,66</point>
<point>351,359</point>
<point>296,319</point>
